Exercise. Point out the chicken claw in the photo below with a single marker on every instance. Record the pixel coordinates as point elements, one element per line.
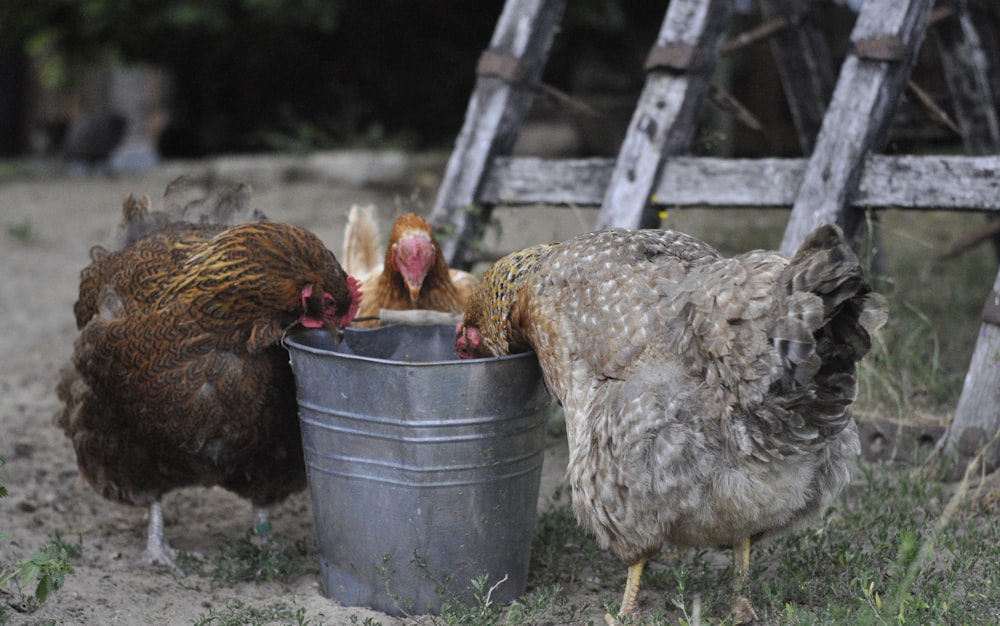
<point>157,550</point>
<point>742,612</point>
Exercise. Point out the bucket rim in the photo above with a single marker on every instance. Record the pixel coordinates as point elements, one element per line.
<point>289,342</point>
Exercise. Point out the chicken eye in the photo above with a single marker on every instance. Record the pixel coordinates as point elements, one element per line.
<point>329,305</point>
<point>472,334</point>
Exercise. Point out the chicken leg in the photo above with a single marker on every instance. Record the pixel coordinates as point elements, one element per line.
<point>157,550</point>
<point>630,598</point>
<point>742,612</point>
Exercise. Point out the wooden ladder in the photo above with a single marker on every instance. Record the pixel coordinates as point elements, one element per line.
<point>841,125</point>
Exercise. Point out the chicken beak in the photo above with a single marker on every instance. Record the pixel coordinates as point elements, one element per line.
<point>336,332</point>
<point>414,290</point>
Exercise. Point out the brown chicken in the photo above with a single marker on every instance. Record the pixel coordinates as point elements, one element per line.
<point>707,399</point>
<point>413,275</point>
<point>178,377</point>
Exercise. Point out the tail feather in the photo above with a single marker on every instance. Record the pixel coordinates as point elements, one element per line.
<point>794,337</point>
<point>362,251</point>
<point>138,221</point>
<point>874,311</point>
<point>226,206</point>
<point>830,311</point>
<point>826,266</point>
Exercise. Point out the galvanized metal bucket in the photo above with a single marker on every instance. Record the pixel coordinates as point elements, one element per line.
<point>424,470</point>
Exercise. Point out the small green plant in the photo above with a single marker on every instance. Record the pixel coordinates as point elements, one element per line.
<point>442,585</point>
<point>245,561</point>
<point>483,611</point>
<point>458,609</point>
<point>22,231</point>
<point>562,550</point>
<point>237,613</point>
<point>385,572</point>
<point>44,572</point>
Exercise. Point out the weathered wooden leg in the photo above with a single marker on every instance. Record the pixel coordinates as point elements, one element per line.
<point>884,41</point>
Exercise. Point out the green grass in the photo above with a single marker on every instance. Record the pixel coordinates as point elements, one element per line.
<point>22,231</point>
<point>238,613</point>
<point>895,549</point>
<point>242,560</point>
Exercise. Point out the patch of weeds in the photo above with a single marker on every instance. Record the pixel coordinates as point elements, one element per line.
<point>237,613</point>
<point>700,581</point>
<point>385,573</point>
<point>563,552</point>
<point>904,370</point>
<point>442,585</point>
<point>483,611</point>
<point>474,606</point>
<point>44,572</point>
<point>246,561</point>
<point>22,231</point>
<point>697,584</point>
<point>934,311</point>
<point>896,549</point>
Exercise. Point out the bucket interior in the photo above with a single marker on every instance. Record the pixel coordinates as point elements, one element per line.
<point>409,344</point>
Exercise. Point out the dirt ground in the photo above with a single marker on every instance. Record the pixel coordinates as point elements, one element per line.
<point>48,225</point>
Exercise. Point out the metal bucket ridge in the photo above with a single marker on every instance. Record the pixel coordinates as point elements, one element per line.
<point>423,469</point>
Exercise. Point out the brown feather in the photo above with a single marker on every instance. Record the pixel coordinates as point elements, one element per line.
<point>178,377</point>
<point>362,251</point>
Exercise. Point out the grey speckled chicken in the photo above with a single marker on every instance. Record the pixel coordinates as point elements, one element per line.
<point>707,399</point>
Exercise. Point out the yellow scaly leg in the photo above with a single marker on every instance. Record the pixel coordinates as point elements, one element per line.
<point>742,611</point>
<point>630,599</point>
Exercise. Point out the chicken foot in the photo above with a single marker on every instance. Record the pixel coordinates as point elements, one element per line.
<point>157,550</point>
<point>630,599</point>
<point>742,611</point>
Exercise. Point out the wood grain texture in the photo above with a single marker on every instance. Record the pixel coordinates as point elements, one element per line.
<point>902,182</point>
<point>967,43</point>
<point>493,120</point>
<point>664,119</point>
<point>858,119</point>
<point>804,64</point>
<point>977,417</point>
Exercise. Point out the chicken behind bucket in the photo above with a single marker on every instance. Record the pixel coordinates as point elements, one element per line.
<point>413,273</point>
<point>178,377</point>
<point>707,399</point>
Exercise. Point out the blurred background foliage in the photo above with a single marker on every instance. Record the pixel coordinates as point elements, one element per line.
<point>280,74</point>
